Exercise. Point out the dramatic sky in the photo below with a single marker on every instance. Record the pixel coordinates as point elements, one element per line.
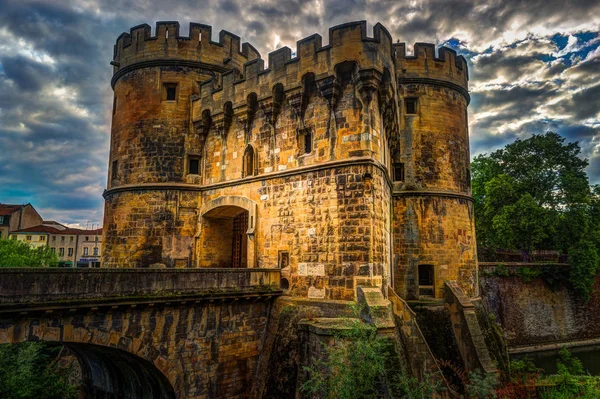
<point>534,66</point>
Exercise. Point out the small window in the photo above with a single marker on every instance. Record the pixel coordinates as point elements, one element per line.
<point>1,219</point>
<point>411,105</point>
<point>426,281</point>
<point>114,105</point>
<point>14,237</point>
<point>53,250</point>
<point>87,238</point>
<point>305,141</point>
<point>193,165</point>
<point>42,238</point>
<point>284,259</point>
<point>85,251</point>
<point>170,91</point>
<point>399,171</point>
<point>70,252</point>
<point>61,252</point>
<point>96,238</point>
<point>248,162</point>
<point>62,238</point>
<point>96,251</point>
<point>53,238</point>
<point>28,238</point>
<point>115,170</point>
<point>71,239</point>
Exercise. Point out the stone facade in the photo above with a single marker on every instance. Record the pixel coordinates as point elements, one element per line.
<point>347,164</point>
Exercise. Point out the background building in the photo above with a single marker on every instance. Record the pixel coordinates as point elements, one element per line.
<point>16,217</point>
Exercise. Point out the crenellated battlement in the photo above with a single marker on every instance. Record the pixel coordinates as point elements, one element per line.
<point>140,47</point>
<point>348,43</point>
<point>444,65</point>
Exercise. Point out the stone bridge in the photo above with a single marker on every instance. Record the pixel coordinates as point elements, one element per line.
<point>151,333</point>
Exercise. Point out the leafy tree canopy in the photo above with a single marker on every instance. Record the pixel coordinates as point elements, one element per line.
<point>14,253</point>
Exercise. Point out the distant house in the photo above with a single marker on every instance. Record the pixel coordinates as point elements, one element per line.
<point>74,247</point>
<point>17,217</point>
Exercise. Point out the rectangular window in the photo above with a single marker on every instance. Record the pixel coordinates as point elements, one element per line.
<point>1,219</point>
<point>114,105</point>
<point>87,238</point>
<point>96,238</point>
<point>426,280</point>
<point>305,143</point>
<point>399,171</point>
<point>53,250</point>
<point>411,105</point>
<point>42,238</point>
<point>61,252</point>
<point>170,91</point>
<point>53,238</point>
<point>14,237</point>
<point>71,239</point>
<point>85,251</point>
<point>70,252</point>
<point>28,238</point>
<point>193,165</point>
<point>114,171</point>
<point>62,238</point>
<point>96,251</point>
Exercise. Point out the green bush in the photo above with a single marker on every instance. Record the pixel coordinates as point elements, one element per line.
<point>14,253</point>
<point>28,371</point>
<point>583,259</point>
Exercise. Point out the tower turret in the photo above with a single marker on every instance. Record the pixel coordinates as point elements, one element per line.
<point>434,230</point>
<point>150,206</point>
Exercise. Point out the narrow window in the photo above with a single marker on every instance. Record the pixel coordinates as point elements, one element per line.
<point>61,252</point>
<point>411,105</point>
<point>85,251</point>
<point>426,280</point>
<point>53,249</point>
<point>193,165</point>
<point>14,237</point>
<point>305,141</point>
<point>115,170</point>
<point>87,238</point>
<point>42,238</point>
<point>96,251</point>
<point>28,238</point>
<point>114,105</point>
<point>70,252</point>
<point>170,91</point>
<point>399,171</point>
<point>284,259</point>
<point>248,167</point>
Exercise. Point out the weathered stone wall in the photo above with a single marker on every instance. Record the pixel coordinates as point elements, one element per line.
<point>532,312</point>
<point>438,231</point>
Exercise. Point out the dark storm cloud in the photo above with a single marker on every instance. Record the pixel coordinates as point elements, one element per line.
<point>534,66</point>
<point>25,73</point>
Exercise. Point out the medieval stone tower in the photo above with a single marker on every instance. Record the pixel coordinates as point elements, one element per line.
<point>343,165</point>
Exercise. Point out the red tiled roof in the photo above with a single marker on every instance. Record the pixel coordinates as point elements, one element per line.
<point>40,229</point>
<point>6,209</point>
<point>53,230</point>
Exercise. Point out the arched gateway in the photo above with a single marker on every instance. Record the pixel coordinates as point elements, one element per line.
<point>226,233</point>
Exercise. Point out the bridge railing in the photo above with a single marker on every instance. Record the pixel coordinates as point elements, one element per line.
<point>37,286</point>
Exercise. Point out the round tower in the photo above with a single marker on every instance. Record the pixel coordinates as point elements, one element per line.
<point>434,229</point>
<point>154,151</point>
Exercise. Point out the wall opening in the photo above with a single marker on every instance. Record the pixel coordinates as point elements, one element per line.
<point>248,166</point>
<point>411,105</point>
<point>399,171</point>
<point>426,281</point>
<point>193,166</point>
<point>224,238</point>
<point>170,92</point>
<point>114,173</point>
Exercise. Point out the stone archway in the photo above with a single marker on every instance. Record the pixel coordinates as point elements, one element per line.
<point>226,233</point>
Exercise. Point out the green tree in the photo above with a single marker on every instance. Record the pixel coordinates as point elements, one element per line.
<point>14,253</point>
<point>538,184</point>
<point>28,370</point>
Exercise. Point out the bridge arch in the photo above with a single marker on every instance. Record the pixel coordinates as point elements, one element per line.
<point>226,233</point>
<point>112,366</point>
